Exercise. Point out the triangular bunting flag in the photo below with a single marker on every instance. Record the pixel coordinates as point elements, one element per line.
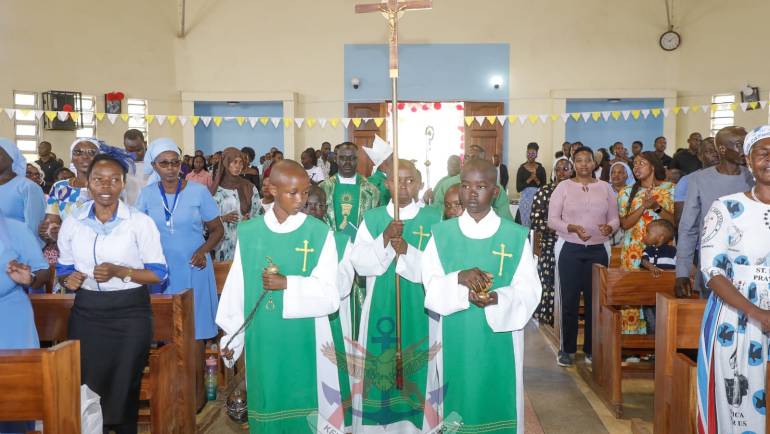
<point>655,112</point>
<point>356,122</point>
<point>575,116</point>
<point>636,113</point>
<point>299,122</point>
<point>253,121</point>
<point>522,119</point>
<point>554,118</point>
<point>310,122</point>
<point>491,119</point>
<point>705,107</point>
<point>532,119</point>
<point>99,116</point>
<point>646,113</point>
<point>595,116</point>
<point>366,120</point>
<point>606,116</point>
<point>346,122</point>
<point>172,119</point>
<point>763,104</point>
<point>685,110</point>
<point>25,112</point>
<point>39,113</point>
<point>322,122</point>
<point>694,108</point>
<point>480,120</point>
<point>112,117</point>
<point>183,120</point>
<point>585,116</point>
<point>543,118</point>
<point>753,105</point>
<point>51,115</point>
<point>665,112</point>
<point>511,119</point>
<point>502,119</point>
<point>468,120</point>
<point>11,113</point>
<point>217,120</point>
<point>615,115</point>
<point>732,107</point>
<point>275,122</point>
<point>75,116</point>
<point>241,120</point>
<point>206,121</point>
<point>61,115</point>
<point>161,119</point>
<point>744,106</point>
<point>149,118</point>
<point>288,123</point>
<point>626,114</point>
<point>194,120</point>
<point>334,122</point>
<point>377,121</point>
<point>564,117</point>
<point>124,116</point>
<point>676,110</point>
<point>264,120</point>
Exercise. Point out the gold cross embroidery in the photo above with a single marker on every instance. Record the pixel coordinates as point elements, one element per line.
<point>502,256</point>
<point>304,250</point>
<point>422,235</point>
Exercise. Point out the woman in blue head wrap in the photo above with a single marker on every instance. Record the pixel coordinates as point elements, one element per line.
<point>181,210</point>
<point>20,198</point>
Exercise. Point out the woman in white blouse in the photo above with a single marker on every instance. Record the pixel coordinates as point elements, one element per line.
<point>109,254</point>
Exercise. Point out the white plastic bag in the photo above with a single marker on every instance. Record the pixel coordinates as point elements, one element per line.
<point>90,411</point>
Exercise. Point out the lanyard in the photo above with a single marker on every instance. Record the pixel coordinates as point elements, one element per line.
<point>169,211</point>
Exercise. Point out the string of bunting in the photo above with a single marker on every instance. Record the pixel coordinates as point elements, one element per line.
<point>310,122</point>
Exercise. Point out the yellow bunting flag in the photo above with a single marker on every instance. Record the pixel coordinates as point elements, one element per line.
<point>336,121</point>
<point>25,112</point>
<point>310,122</point>
<point>636,113</point>
<point>511,119</point>
<point>124,116</point>
<point>379,121</point>
<point>241,120</point>
<point>491,119</point>
<point>532,119</point>
<point>676,110</point>
<point>50,115</point>
<point>75,116</point>
<point>655,112</point>
<point>172,119</point>
<point>356,122</point>
<point>288,122</point>
<point>554,118</point>
<point>217,120</point>
<point>194,120</point>
<point>753,105</point>
<point>264,120</point>
<point>615,115</point>
<point>149,118</point>
<point>595,116</point>
<point>733,106</point>
<point>468,120</point>
<point>575,116</point>
<point>695,108</point>
<point>99,116</point>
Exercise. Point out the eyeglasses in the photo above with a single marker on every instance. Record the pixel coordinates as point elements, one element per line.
<point>165,164</point>
<point>85,152</point>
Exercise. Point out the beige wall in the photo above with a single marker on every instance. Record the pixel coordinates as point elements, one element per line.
<point>244,46</point>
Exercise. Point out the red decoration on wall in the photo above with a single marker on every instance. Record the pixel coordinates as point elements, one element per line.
<point>401,106</point>
<point>460,107</point>
<point>115,96</point>
<point>414,108</point>
<point>437,105</point>
<point>67,108</point>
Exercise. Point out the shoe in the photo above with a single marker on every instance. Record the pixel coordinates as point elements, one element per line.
<point>564,360</point>
<point>589,359</point>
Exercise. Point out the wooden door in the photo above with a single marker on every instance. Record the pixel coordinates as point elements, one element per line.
<point>489,137</point>
<point>363,135</point>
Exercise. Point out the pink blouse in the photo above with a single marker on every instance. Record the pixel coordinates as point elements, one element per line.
<point>201,178</point>
<point>571,205</point>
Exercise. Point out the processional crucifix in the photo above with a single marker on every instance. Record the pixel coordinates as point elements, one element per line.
<point>392,10</point>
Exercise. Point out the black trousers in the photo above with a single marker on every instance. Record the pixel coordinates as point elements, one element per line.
<point>575,264</point>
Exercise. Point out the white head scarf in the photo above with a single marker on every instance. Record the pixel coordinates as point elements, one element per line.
<point>553,170</point>
<point>630,180</point>
<point>157,147</point>
<point>19,163</point>
<point>754,136</point>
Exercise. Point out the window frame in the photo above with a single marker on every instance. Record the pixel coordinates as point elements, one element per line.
<point>87,117</point>
<point>21,140</point>
<point>138,120</point>
<point>724,115</point>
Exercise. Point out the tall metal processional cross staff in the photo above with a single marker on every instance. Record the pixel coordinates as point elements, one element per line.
<point>392,10</point>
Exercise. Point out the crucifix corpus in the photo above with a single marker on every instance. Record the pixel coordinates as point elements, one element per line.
<point>392,11</point>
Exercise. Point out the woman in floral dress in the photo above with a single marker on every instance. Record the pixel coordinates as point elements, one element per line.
<point>545,239</point>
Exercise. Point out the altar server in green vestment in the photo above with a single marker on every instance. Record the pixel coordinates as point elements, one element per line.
<point>340,320</point>
<point>379,406</point>
<point>291,384</point>
<point>477,375</point>
<point>380,154</point>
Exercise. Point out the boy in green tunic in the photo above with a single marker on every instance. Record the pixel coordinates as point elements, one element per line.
<point>290,383</point>
<point>379,406</point>
<point>478,374</point>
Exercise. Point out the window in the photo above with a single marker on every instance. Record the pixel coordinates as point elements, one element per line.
<point>87,110</point>
<point>724,115</point>
<point>137,109</point>
<point>26,124</point>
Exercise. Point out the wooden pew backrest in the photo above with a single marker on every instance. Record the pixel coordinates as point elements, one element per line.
<point>630,287</point>
<point>221,269</point>
<point>43,385</point>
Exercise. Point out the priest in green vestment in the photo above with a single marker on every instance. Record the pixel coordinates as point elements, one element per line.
<point>291,385</point>
<point>379,406</point>
<point>477,375</point>
<point>500,202</point>
<point>380,154</point>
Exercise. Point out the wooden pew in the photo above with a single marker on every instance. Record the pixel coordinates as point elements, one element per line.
<point>615,256</point>
<point>612,289</point>
<point>169,384</point>
<point>42,385</point>
<point>220,274</point>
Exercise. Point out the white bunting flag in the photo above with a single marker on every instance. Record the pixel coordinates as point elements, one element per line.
<point>480,120</point>
<point>112,117</point>
<point>346,122</point>
<point>364,121</point>
<point>502,119</point>
<point>665,112</point>
<point>523,119</point>
<point>299,122</point>
<point>11,113</point>
<point>606,116</point>
<point>625,114</point>
<point>206,120</point>
<point>39,114</point>
<point>322,122</point>
<point>183,120</point>
<point>228,118</point>
<point>645,113</point>
<point>160,119</point>
<point>706,108</point>
<point>585,116</point>
<point>275,122</point>
<point>763,104</point>
<point>685,109</point>
<point>744,106</point>
<point>564,117</point>
<point>543,118</point>
<point>63,116</point>
<point>253,121</point>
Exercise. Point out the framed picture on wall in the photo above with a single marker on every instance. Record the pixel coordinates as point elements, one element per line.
<point>750,97</point>
<point>113,103</point>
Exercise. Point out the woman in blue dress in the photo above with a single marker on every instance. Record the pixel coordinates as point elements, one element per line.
<point>24,265</point>
<point>20,198</point>
<point>181,210</point>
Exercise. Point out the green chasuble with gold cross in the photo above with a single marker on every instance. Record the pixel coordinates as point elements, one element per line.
<point>342,241</point>
<point>284,373</point>
<point>383,404</point>
<point>378,179</point>
<point>478,373</point>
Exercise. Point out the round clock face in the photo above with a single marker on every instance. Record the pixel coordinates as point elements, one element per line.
<point>670,40</point>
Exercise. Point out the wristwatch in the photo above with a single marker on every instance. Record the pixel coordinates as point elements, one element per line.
<point>658,209</point>
<point>127,279</point>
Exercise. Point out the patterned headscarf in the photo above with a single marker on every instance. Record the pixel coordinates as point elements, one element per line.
<point>630,180</point>
<point>19,165</point>
<point>754,136</point>
<point>157,147</point>
<point>225,180</point>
